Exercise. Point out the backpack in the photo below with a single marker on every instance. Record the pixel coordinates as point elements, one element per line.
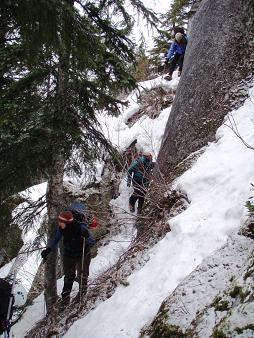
<point>73,235</point>
<point>81,215</point>
<point>73,239</point>
<point>144,167</point>
<point>144,164</point>
<point>78,210</point>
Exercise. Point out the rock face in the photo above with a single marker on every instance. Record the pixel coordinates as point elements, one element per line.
<point>215,300</point>
<point>218,66</point>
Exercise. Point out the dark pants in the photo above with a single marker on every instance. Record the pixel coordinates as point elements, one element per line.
<point>177,60</point>
<point>140,190</point>
<point>70,266</point>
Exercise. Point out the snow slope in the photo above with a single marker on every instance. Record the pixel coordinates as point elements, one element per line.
<point>218,186</point>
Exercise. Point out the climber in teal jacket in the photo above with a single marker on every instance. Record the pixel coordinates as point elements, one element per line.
<point>138,174</point>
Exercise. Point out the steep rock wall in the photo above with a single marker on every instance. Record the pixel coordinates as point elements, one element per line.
<point>218,66</point>
<point>216,299</point>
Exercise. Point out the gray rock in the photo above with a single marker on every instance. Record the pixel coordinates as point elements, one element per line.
<point>218,65</point>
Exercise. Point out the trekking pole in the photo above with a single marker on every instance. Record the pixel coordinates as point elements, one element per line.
<point>82,267</point>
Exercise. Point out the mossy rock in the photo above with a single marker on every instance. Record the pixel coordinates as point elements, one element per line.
<point>222,305</point>
<point>247,327</point>
<point>164,330</point>
<point>161,327</point>
<point>239,291</point>
<point>235,292</point>
<point>217,333</point>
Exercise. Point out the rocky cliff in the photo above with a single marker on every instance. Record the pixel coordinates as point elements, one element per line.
<point>216,299</point>
<point>218,65</point>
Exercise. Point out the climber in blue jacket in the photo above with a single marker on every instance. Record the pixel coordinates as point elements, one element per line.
<point>77,242</point>
<point>176,54</point>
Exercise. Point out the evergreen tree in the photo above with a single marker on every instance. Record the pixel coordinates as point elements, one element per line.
<point>61,62</point>
<point>142,69</point>
<point>158,52</point>
<point>178,15</point>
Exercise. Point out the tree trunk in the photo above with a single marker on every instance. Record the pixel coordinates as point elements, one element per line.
<point>55,203</point>
<point>55,197</point>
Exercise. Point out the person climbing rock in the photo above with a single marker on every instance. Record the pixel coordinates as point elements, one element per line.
<point>138,173</point>
<point>77,241</point>
<point>175,55</point>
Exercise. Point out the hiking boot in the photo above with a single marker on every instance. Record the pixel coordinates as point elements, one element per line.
<point>132,208</point>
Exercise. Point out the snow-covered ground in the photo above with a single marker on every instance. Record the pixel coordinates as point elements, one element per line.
<point>218,186</point>
<point>148,132</point>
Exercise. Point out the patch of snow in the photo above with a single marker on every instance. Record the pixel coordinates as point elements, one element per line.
<point>147,131</point>
<point>110,253</point>
<point>242,316</point>
<point>5,269</point>
<point>36,312</point>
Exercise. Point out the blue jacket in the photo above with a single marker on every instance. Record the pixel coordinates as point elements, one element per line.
<point>140,169</point>
<point>176,48</point>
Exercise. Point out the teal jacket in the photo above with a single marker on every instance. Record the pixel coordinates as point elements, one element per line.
<point>140,169</point>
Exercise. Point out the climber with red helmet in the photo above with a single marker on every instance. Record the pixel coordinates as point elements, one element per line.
<point>77,242</point>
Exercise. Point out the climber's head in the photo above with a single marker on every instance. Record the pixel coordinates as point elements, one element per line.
<point>178,37</point>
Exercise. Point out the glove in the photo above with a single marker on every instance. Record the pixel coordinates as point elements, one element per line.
<point>45,253</point>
